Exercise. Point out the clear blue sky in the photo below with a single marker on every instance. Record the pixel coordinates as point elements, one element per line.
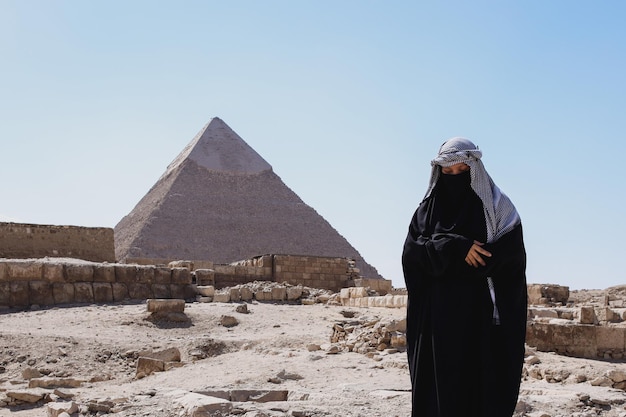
<point>347,100</point>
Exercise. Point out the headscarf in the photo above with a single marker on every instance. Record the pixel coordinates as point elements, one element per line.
<point>500,213</point>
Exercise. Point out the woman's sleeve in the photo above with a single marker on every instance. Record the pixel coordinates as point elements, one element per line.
<point>433,255</point>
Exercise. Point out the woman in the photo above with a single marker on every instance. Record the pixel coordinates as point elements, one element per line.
<point>464,266</point>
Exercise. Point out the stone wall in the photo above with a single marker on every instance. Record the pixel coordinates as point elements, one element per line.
<point>40,282</point>
<point>20,241</point>
<point>310,271</point>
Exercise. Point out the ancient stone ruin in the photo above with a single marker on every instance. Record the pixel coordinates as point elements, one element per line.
<point>219,200</point>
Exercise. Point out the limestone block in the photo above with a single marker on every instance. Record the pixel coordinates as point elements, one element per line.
<point>27,395</point>
<point>587,315</point>
<point>79,273</point>
<point>167,355</point>
<point>161,291</point>
<point>3,271</point>
<point>246,294</point>
<point>24,270</point>
<point>181,276</point>
<point>263,295</point>
<point>534,293</point>
<point>178,291</point>
<point>104,273</point>
<point>235,294</point>
<point>293,293</point>
<point>259,396</point>
<point>544,312</point>
<point>145,274</point>
<point>139,291</point>
<point>583,341</point>
<point>188,265</point>
<point>279,293</point>
<point>616,375</point>
<point>19,294</point>
<point>40,293</point>
<point>162,275</point>
<point>202,265</point>
<point>55,409</point>
<point>147,366</point>
<point>125,273</point>
<point>5,293</point>
<point>205,277</point>
<point>53,272</point>
<point>206,290</point>
<point>605,314</point>
<point>102,292</point>
<point>197,405</point>
<point>221,297</point>
<point>344,293</point>
<point>47,382</point>
<point>63,293</point>
<point>172,306</point>
<point>357,292</point>
<point>120,290</point>
<point>398,340</point>
<point>83,292</point>
<point>610,338</point>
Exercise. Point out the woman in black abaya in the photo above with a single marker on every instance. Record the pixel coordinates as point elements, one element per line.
<point>464,266</point>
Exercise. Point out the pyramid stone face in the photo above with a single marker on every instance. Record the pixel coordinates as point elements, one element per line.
<point>221,201</point>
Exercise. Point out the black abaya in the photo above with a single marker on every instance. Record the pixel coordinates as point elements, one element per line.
<point>460,362</point>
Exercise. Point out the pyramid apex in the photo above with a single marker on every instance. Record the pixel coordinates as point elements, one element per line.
<point>217,147</point>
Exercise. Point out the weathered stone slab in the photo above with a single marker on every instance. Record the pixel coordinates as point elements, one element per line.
<point>160,305</point>
<point>24,270</point>
<point>246,294</point>
<point>279,293</point>
<point>53,272</point>
<point>19,294</point>
<point>27,395</point>
<point>145,274</point>
<point>138,291</point>
<point>161,291</point>
<point>181,276</point>
<point>83,292</point>
<point>147,366</point>
<point>223,297</point>
<point>167,355</point>
<point>610,338</point>
<point>125,273</point>
<point>198,405</point>
<point>162,275</point>
<point>63,293</point>
<point>57,408</point>
<point>206,290</point>
<point>40,293</point>
<point>47,382</point>
<point>102,292</point>
<point>104,273</point>
<point>120,291</point>
<point>79,273</point>
<point>205,277</point>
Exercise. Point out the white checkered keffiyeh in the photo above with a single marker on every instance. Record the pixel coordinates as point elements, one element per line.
<point>500,213</point>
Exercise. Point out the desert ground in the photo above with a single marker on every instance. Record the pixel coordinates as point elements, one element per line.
<point>281,349</point>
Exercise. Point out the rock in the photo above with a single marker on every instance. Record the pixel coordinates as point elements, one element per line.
<point>167,355</point>
<point>169,306</point>
<point>601,381</point>
<point>55,383</point>
<point>28,396</point>
<point>30,373</point>
<point>198,405</point>
<point>229,321</point>
<point>616,375</point>
<point>243,309</point>
<point>147,366</point>
<point>57,408</point>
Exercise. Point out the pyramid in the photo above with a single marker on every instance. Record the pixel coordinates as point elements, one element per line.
<point>219,200</point>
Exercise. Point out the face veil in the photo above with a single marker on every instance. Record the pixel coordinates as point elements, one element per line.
<point>500,213</point>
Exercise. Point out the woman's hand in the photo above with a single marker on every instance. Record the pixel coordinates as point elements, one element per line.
<point>475,255</point>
